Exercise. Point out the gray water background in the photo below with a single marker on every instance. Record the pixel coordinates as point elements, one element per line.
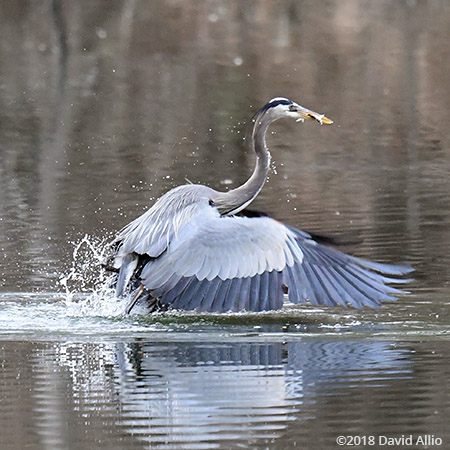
<point>105,105</point>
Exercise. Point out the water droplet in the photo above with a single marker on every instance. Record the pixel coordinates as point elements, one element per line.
<point>101,33</point>
<point>213,17</point>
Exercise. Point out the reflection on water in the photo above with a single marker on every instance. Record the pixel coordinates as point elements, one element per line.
<point>104,108</point>
<point>218,394</point>
<point>212,394</point>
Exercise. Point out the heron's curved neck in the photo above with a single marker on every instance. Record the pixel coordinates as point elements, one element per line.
<point>236,200</point>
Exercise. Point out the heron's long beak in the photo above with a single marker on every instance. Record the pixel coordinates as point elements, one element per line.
<point>311,115</point>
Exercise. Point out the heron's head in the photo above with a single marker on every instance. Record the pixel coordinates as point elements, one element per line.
<point>280,107</point>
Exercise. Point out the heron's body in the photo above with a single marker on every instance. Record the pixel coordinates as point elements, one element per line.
<point>191,250</point>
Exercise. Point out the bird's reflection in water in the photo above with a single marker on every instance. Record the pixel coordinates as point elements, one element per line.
<point>205,392</point>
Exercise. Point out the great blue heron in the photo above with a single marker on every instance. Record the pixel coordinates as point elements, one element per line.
<point>197,248</point>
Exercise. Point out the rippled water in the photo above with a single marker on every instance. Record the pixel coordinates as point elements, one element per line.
<point>104,109</point>
<point>203,382</point>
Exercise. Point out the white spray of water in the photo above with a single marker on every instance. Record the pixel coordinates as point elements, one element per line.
<point>87,285</point>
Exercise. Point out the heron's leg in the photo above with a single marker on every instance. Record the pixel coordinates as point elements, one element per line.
<point>134,300</point>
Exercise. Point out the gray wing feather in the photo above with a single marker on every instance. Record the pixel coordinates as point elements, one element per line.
<point>300,285</point>
<point>217,304</point>
<point>355,298</point>
<point>307,280</point>
<point>276,290</point>
<point>244,295</point>
<point>280,291</point>
<point>323,291</point>
<point>183,301</point>
<point>263,292</point>
<point>233,295</point>
<point>170,295</point>
<point>335,293</point>
<point>210,295</point>
<point>199,296</point>
<point>290,281</point>
<point>254,293</point>
<point>272,286</point>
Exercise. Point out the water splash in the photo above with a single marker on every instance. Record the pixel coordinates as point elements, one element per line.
<point>87,284</point>
<point>88,255</point>
<point>273,167</point>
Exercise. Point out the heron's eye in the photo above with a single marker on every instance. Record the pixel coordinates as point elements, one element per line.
<point>292,108</point>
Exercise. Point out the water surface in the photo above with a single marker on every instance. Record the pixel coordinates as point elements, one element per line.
<point>104,108</point>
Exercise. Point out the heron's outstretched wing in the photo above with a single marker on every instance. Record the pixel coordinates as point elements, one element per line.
<point>234,263</point>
